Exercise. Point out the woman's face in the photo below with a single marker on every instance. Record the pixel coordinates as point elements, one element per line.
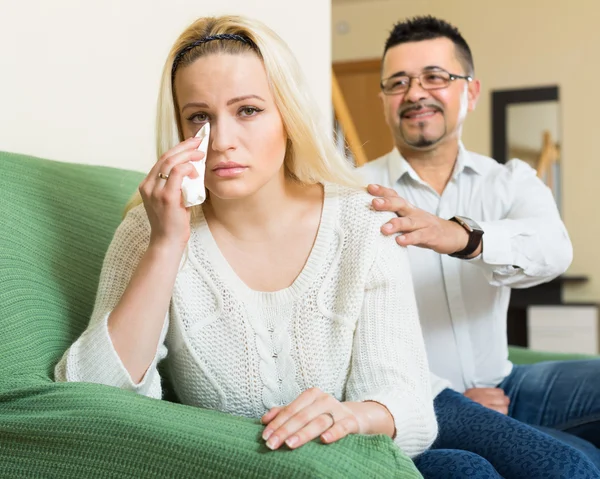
<point>247,138</point>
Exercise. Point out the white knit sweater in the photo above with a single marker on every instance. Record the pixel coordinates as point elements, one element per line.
<point>348,325</point>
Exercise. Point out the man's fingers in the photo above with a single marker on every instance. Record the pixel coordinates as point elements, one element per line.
<point>378,190</point>
<point>484,391</point>
<point>410,239</point>
<point>501,410</point>
<point>403,224</point>
<point>496,396</point>
<point>492,398</point>
<point>396,205</point>
<point>499,401</point>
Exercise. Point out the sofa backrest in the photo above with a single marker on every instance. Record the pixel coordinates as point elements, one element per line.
<point>56,221</point>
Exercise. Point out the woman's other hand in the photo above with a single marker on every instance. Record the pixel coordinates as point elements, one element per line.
<point>312,414</point>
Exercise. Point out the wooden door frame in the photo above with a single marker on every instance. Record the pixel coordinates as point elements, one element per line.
<point>357,66</point>
<point>340,70</point>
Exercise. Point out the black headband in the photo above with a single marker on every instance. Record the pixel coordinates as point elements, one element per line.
<point>210,38</point>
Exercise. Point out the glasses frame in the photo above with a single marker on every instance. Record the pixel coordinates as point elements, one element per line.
<point>452,77</point>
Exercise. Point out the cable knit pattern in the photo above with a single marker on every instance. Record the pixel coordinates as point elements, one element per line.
<point>348,324</point>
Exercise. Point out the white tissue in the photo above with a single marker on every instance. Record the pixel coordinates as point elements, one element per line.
<point>193,190</point>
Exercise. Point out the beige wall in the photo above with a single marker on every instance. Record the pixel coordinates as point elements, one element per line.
<point>517,43</point>
<point>79,78</point>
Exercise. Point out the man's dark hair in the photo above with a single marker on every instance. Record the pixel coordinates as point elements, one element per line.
<point>427,27</point>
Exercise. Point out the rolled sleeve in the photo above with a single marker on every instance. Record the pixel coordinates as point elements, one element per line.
<point>93,358</point>
<point>530,245</point>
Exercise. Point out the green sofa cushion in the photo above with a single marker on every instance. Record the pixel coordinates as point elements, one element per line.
<point>57,222</point>
<point>520,355</point>
<point>89,430</point>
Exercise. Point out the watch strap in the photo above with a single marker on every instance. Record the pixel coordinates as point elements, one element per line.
<point>472,245</point>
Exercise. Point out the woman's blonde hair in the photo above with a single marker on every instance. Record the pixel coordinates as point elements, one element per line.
<point>311,155</point>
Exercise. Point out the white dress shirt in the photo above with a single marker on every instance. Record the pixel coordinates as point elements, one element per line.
<point>463,304</point>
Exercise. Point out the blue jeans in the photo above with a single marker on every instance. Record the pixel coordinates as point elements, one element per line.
<point>454,464</point>
<point>561,395</point>
<point>511,449</point>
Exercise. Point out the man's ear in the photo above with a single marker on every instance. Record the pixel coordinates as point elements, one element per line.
<point>474,89</point>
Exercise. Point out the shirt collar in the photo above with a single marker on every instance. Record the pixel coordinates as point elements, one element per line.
<point>398,166</point>
<point>466,160</point>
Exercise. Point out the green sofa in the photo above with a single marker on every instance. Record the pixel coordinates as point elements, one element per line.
<point>57,221</point>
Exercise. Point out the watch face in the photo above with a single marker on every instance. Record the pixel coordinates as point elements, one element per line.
<point>469,222</point>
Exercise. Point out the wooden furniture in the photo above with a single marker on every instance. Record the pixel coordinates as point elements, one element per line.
<point>565,328</point>
<point>549,155</point>
<point>531,322</point>
<point>343,116</point>
<point>358,84</point>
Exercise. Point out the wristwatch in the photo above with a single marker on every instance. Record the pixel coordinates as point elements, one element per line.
<point>475,234</point>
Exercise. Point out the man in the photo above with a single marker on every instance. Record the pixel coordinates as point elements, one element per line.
<point>476,228</point>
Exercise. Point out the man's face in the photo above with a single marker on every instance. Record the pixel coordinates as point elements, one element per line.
<point>422,119</point>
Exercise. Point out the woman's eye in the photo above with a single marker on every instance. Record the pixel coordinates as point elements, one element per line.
<point>249,111</point>
<point>199,118</point>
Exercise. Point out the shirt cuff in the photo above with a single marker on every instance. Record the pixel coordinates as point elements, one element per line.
<point>94,359</point>
<point>497,253</point>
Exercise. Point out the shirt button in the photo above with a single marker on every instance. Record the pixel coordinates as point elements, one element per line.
<point>271,330</point>
<point>274,355</point>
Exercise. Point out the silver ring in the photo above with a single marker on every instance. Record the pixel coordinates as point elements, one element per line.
<point>163,176</point>
<point>331,416</point>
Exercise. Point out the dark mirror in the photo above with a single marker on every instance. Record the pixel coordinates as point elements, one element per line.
<point>526,125</point>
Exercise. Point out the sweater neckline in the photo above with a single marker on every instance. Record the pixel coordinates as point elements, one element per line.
<point>307,275</point>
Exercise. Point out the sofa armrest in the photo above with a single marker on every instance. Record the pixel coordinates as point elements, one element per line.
<point>89,430</point>
<point>520,355</point>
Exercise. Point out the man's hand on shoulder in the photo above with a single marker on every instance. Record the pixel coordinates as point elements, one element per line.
<point>418,227</point>
<point>492,398</point>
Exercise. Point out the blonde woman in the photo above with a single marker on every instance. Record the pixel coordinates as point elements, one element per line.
<point>278,298</point>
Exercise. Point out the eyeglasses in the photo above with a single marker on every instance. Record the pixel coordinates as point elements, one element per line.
<point>429,80</point>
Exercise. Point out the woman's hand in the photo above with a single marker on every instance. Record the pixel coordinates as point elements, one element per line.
<point>161,193</point>
<point>312,414</point>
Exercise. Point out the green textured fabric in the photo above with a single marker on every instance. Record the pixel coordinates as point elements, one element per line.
<point>87,430</point>
<point>520,355</point>
<point>57,222</point>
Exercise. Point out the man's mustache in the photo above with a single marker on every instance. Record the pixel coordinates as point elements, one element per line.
<point>419,106</point>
